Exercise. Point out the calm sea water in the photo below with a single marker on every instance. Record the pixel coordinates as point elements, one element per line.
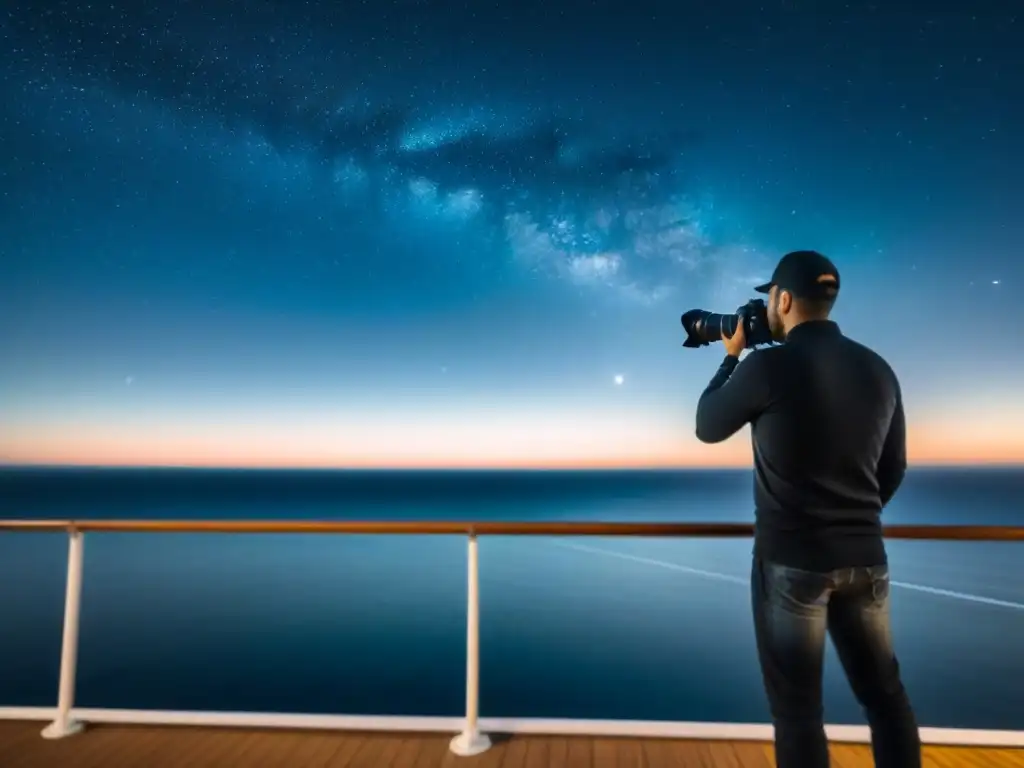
<point>595,628</point>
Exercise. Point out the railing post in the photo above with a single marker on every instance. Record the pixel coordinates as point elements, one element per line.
<point>471,742</point>
<point>63,725</point>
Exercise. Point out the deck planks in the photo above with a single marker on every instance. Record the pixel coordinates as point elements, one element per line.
<point>21,746</point>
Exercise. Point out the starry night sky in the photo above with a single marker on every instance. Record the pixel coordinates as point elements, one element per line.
<point>417,233</point>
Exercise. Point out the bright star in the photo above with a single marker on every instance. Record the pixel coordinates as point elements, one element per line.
<point>619,378</point>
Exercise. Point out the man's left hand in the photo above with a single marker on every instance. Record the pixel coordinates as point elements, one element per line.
<point>735,344</point>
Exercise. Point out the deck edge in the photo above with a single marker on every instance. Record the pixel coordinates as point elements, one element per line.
<point>527,726</point>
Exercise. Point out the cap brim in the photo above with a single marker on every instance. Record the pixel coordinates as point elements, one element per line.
<point>766,288</point>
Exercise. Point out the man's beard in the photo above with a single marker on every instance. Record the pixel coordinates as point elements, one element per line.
<point>775,323</point>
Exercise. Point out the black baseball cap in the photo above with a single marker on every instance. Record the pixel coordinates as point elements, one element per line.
<point>806,275</point>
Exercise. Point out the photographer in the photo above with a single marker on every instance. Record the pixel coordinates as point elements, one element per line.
<point>829,453</point>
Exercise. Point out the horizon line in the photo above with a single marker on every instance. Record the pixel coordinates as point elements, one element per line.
<point>568,467</point>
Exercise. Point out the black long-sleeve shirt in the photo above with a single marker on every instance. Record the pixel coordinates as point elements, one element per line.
<point>829,437</point>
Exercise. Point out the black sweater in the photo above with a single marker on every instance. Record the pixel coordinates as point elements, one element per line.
<point>829,438</point>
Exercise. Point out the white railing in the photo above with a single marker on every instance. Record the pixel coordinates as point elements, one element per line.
<point>62,724</point>
<point>471,739</point>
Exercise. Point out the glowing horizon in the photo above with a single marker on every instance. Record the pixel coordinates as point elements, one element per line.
<point>527,467</point>
<point>251,450</point>
<point>252,268</point>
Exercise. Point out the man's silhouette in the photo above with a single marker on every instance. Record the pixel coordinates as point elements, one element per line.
<point>829,439</point>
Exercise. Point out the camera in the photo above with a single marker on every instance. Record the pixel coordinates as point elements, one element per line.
<point>703,327</point>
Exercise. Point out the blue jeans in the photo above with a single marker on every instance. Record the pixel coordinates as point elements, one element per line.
<point>793,610</point>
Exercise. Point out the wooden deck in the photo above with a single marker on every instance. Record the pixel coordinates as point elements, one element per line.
<point>21,746</point>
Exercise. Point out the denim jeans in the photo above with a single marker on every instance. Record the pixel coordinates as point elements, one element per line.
<point>793,610</point>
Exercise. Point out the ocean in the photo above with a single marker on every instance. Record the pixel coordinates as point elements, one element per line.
<point>570,628</point>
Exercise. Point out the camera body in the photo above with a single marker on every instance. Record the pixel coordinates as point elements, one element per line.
<point>703,327</point>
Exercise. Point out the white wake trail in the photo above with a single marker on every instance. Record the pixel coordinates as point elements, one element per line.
<point>966,596</point>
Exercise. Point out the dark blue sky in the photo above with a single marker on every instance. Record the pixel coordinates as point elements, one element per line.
<point>413,232</point>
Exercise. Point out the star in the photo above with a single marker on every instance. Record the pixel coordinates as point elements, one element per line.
<point>619,379</point>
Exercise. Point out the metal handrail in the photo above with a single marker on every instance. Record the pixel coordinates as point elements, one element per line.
<point>488,528</point>
<point>470,741</point>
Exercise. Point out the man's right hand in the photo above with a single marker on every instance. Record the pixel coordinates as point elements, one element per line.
<point>735,344</point>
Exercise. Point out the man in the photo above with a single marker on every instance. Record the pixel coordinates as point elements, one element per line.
<point>829,442</point>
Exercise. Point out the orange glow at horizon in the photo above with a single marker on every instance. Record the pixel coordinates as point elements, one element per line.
<point>637,446</point>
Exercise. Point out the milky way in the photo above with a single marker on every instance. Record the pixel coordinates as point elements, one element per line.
<point>263,197</point>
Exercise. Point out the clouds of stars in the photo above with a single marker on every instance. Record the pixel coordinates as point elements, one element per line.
<point>568,198</point>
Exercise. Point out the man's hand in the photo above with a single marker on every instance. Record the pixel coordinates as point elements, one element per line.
<point>735,344</point>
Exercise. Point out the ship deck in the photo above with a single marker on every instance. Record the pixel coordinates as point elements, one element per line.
<point>116,738</point>
<point>109,746</point>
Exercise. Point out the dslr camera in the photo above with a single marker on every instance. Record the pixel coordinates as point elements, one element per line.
<point>703,327</point>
